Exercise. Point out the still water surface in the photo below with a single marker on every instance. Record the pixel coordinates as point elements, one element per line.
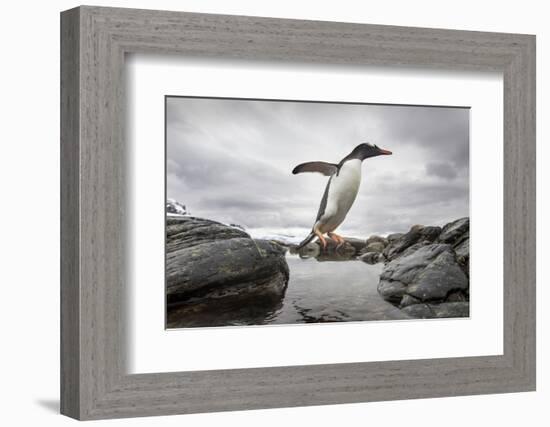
<point>318,291</point>
<point>332,291</point>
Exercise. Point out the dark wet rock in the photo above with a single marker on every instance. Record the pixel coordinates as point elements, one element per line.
<point>408,300</point>
<point>357,244</point>
<point>398,245</point>
<point>462,251</point>
<point>453,232</point>
<point>207,261</point>
<point>430,233</point>
<point>417,234</point>
<point>393,237</point>
<point>411,249</point>
<point>392,291</point>
<point>438,279</point>
<point>458,296</point>
<point>428,273</point>
<point>378,239</point>
<point>189,231</point>
<point>374,247</point>
<point>452,309</point>
<point>438,311</point>
<point>419,311</point>
<point>372,257</point>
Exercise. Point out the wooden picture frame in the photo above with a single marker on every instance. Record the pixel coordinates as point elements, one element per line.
<point>94,382</point>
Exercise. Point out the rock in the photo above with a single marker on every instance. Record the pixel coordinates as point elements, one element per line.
<point>209,261</point>
<point>417,234</point>
<point>438,279</point>
<point>392,291</point>
<point>453,232</point>
<point>452,309</point>
<point>379,239</point>
<point>419,311</point>
<point>176,208</point>
<point>240,227</point>
<point>462,251</point>
<point>311,250</point>
<point>398,245</point>
<point>190,231</point>
<point>411,249</point>
<point>372,257</point>
<point>357,244</point>
<point>457,233</point>
<point>457,296</point>
<point>393,237</point>
<point>443,310</point>
<point>426,272</point>
<point>374,247</point>
<point>430,233</point>
<point>347,250</point>
<point>408,300</point>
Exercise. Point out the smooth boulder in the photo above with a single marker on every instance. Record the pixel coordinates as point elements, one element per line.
<point>210,261</point>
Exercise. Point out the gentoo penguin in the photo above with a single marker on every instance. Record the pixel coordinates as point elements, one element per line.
<point>340,192</point>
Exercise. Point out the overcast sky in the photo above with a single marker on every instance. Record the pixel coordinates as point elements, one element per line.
<point>231,161</point>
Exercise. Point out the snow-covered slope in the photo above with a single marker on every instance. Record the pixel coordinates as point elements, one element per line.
<point>175,208</point>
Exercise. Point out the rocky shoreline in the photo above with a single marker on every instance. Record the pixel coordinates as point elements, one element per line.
<point>426,270</point>
<point>215,268</point>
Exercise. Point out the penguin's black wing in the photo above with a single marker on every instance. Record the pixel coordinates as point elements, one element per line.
<point>323,204</point>
<point>325,168</point>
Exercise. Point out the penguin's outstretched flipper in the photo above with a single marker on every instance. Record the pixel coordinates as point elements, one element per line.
<point>327,169</point>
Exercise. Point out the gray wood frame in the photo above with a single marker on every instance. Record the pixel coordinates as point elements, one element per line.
<point>94,383</point>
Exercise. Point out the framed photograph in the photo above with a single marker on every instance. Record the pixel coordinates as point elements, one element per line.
<point>260,247</point>
<point>262,213</point>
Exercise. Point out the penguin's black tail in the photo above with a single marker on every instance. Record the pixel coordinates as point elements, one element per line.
<point>306,240</point>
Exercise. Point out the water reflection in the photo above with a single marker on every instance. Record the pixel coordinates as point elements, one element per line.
<point>224,312</point>
<point>330,253</point>
<point>324,286</point>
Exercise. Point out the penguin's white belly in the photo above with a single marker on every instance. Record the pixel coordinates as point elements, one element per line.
<point>342,192</point>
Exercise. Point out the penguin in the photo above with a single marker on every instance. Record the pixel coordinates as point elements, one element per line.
<point>340,192</point>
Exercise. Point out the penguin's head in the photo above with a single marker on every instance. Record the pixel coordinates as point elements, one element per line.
<point>366,150</point>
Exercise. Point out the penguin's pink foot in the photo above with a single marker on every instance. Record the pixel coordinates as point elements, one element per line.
<point>321,238</point>
<point>339,239</point>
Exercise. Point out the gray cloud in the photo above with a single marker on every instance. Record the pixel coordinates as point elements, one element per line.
<point>442,170</point>
<point>231,160</point>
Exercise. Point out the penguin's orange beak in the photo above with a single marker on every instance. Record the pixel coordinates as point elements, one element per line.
<point>382,151</point>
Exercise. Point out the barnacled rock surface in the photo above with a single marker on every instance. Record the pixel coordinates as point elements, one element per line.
<point>207,261</point>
